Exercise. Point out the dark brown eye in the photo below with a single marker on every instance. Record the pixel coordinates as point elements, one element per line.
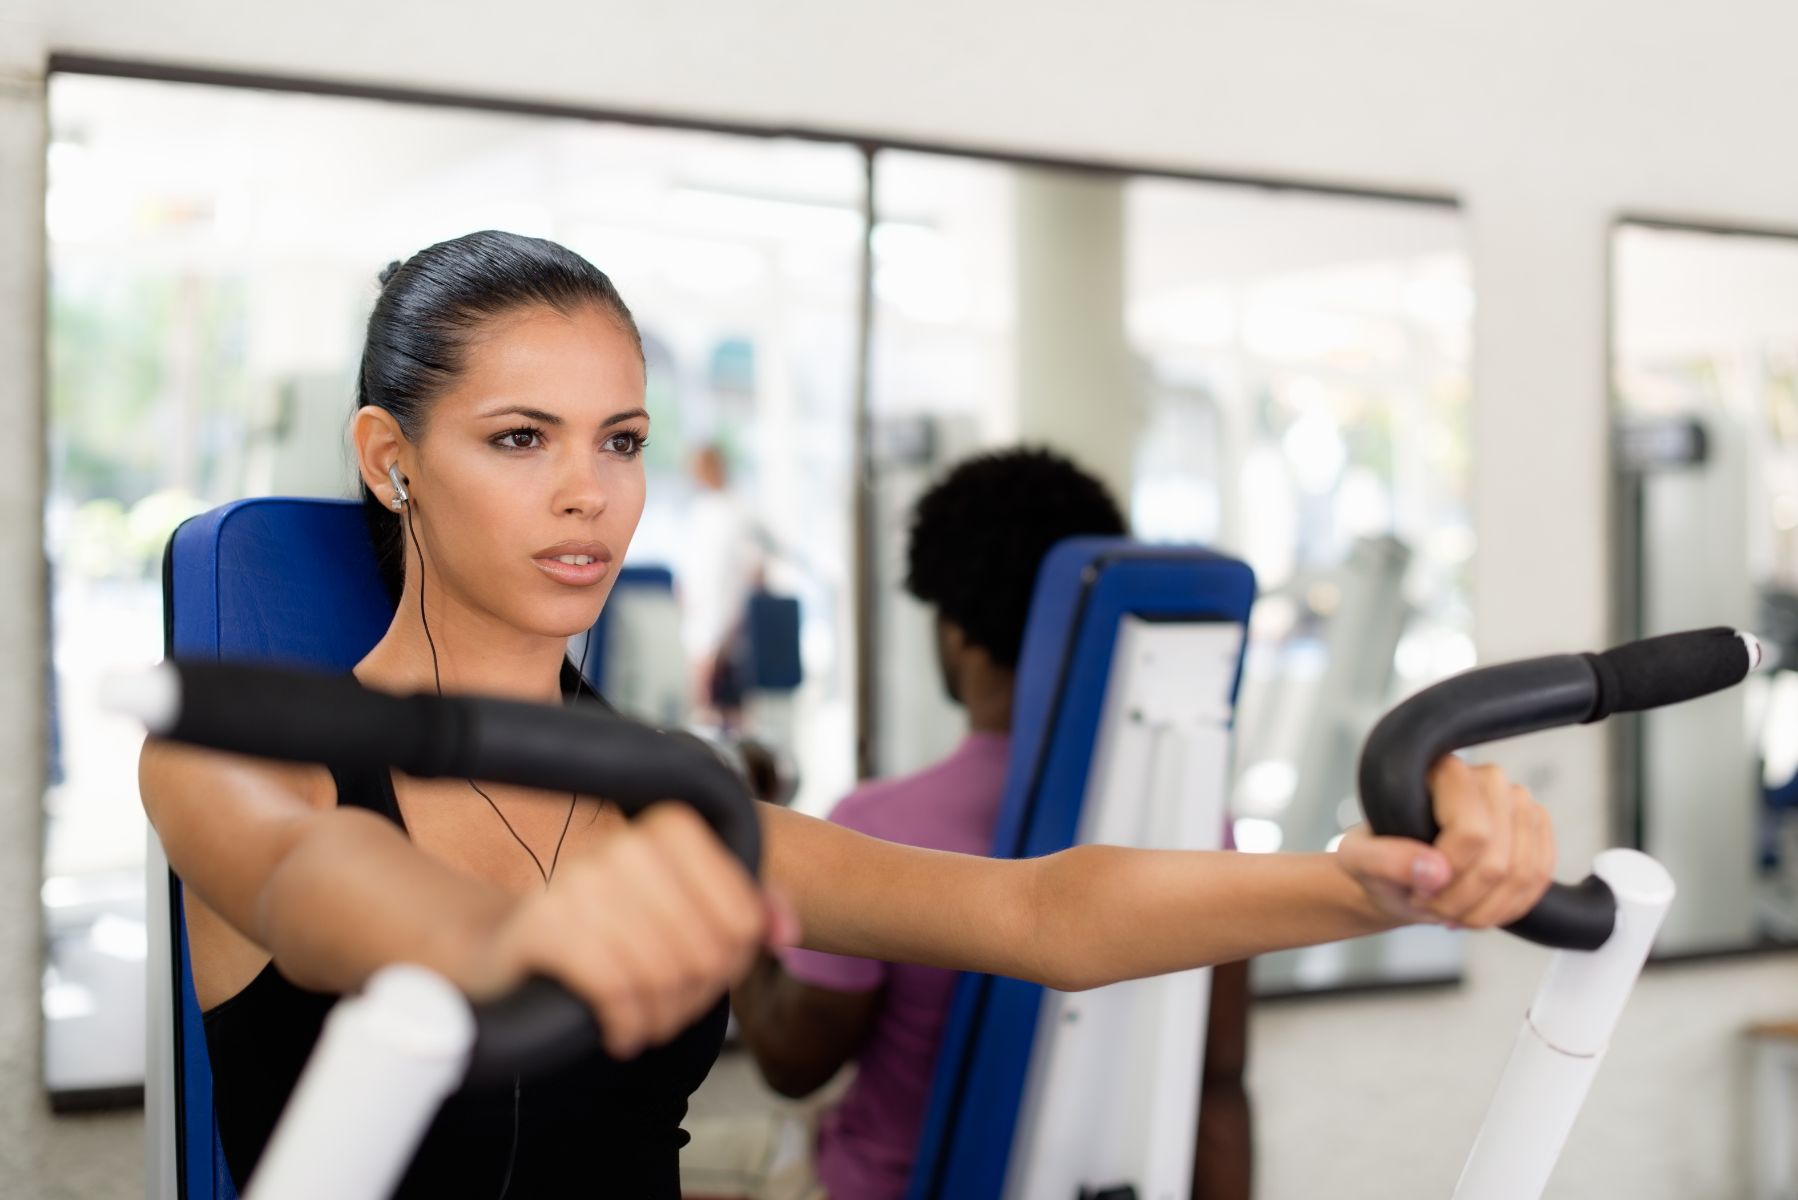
<point>518,439</point>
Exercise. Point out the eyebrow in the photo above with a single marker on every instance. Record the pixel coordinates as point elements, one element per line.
<point>544,418</point>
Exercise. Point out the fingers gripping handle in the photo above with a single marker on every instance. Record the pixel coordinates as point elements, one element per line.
<point>1469,710</point>
<point>1516,698</point>
<point>301,716</point>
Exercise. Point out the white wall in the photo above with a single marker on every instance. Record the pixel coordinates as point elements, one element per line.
<point>1547,119</point>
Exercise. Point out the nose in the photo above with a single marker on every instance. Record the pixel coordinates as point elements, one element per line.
<point>580,486</point>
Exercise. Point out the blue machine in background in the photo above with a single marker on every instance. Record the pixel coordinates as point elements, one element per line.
<point>1126,691</point>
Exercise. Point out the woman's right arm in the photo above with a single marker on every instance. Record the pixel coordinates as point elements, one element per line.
<point>650,927</point>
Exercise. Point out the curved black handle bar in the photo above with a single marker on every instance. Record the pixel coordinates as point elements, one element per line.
<point>1523,697</point>
<point>303,716</point>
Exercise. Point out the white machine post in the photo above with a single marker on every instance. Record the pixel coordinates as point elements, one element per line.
<point>1564,1038</point>
<point>383,1065</point>
<point>161,1129</point>
<point>1112,1094</point>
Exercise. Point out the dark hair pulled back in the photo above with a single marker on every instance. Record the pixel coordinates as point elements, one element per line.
<point>430,307</point>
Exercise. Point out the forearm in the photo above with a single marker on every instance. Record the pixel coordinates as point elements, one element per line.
<point>755,1000</point>
<point>1105,914</point>
<point>765,1029</point>
<point>352,894</point>
<point>800,1034</point>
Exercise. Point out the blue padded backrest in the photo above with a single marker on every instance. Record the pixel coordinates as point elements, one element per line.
<point>1085,588</point>
<point>277,579</point>
<point>281,580</point>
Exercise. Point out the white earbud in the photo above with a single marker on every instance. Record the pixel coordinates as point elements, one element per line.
<point>400,494</point>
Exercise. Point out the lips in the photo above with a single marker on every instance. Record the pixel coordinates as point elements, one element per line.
<point>577,564</point>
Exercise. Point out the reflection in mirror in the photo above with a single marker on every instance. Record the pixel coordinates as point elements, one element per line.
<point>213,257</point>
<point>1705,379</point>
<point>943,337</point>
<point>1280,375</point>
<point>1306,362</point>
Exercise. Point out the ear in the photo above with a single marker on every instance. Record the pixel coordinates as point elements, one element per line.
<point>950,638</point>
<point>379,443</point>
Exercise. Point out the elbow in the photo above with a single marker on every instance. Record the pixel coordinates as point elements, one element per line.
<point>284,913</point>
<point>285,888</point>
<point>1069,978</point>
<point>790,1064</point>
<point>793,1081</point>
<point>1064,955</point>
<point>791,1074</point>
<point>275,929</point>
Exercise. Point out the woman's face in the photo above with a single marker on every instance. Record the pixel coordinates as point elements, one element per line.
<point>528,476</point>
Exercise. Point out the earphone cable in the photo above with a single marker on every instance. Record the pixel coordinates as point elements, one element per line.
<point>437,675</point>
<point>573,799</point>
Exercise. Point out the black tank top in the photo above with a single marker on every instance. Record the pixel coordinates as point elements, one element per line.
<point>598,1128</point>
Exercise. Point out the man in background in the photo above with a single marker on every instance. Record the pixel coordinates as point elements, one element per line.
<point>977,540</point>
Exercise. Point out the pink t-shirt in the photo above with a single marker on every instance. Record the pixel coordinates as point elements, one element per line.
<point>866,1144</point>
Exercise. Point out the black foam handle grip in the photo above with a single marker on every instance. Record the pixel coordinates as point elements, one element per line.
<point>304,716</point>
<point>1516,698</point>
<point>296,716</point>
<point>1670,669</point>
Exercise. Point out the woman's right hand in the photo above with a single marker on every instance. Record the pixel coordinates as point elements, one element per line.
<point>650,928</point>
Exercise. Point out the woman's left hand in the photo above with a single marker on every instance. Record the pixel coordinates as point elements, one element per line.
<point>1490,864</point>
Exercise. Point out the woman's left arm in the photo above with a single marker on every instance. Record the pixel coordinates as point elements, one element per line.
<point>1092,915</point>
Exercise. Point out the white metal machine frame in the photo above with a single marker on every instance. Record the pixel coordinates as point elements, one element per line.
<point>1113,1089</point>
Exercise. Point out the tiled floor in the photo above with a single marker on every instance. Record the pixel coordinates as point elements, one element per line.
<point>90,1157</point>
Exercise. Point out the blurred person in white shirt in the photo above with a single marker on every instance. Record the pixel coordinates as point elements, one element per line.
<point>719,568</point>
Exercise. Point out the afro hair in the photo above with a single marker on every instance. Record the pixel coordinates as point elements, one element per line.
<point>979,536</point>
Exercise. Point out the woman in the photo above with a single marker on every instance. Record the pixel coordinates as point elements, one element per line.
<point>497,438</point>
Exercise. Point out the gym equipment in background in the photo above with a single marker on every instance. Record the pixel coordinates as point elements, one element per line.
<point>1126,690</point>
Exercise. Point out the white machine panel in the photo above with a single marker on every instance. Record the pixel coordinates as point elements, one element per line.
<point>1113,1092</point>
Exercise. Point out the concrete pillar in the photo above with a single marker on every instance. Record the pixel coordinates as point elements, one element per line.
<point>95,1157</point>
<point>1077,389</point>
<point>1541,481</point>
<point>22,652</point>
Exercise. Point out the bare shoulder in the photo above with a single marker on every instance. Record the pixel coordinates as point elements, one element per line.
<point>173,777</point>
